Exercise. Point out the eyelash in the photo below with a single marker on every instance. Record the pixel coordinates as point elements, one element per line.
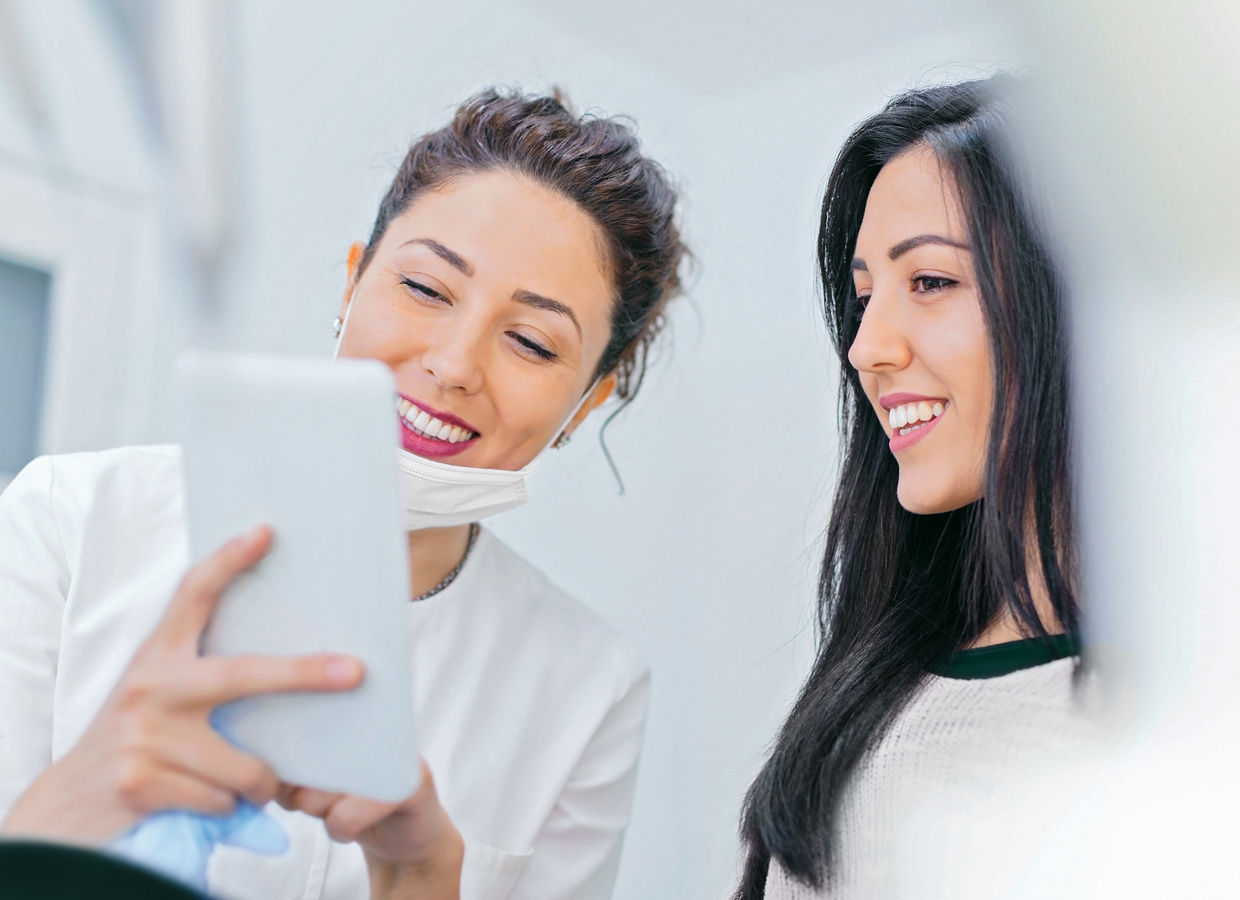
<point>423,290</point>
<point>540,351</point>
<point>939,280</point>
<point>526,344</point>
<point>939,283</point>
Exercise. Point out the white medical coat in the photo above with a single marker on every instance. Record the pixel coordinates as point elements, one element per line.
<point>529,708</point>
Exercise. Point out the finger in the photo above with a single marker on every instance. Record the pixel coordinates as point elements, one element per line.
<point>310,801</point>
<point>284,795</point>
<point>348,817</point>
<point>199,592</point>
<point>201,753</point>
<point>215,680</point>
<point>154,790</point>
<point>425,792</point>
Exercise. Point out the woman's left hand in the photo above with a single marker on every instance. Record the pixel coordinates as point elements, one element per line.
<point>412,848</point>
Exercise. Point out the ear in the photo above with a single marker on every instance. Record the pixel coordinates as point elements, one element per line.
<point>597,397</point>
<point>356,249</point>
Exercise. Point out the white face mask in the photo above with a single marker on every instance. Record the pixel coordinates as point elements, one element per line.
<point>438,495</point>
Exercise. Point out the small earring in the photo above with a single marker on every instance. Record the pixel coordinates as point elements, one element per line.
<point>337,326</point>
<point>561,441</point>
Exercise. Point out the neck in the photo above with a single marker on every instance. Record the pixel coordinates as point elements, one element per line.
<point>433,553</point>
<point>1007,627</point>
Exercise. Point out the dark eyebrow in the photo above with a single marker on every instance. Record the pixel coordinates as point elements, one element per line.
<point>905,246</point>
<point>858,264</point>
<point>538,301</point>
<point>452,258</point>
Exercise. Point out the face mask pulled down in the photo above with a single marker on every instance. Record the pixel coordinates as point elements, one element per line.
<point>438,495</point>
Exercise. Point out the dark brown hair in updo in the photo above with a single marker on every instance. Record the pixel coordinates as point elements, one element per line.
<point>595,162</point>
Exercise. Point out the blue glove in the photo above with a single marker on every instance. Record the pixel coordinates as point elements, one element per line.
<point>178,843</point>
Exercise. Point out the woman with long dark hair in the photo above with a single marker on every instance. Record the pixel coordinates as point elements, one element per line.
<point>948,605</point>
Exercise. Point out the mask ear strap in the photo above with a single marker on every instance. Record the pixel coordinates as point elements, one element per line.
<point>562,436</point>
<point>340,325</point>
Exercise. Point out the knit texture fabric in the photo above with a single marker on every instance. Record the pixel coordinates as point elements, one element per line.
<point>956,745</point>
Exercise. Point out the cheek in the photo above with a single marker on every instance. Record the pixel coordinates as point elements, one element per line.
<point>528,410</point>
<point>869,385</point>
<point>376,330</point>
<point>957,351</point>
<point>977,382</point>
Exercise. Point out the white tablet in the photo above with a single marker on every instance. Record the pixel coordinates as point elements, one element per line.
<point>308,448</point>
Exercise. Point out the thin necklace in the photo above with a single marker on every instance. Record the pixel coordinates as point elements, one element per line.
<point>474,528</point>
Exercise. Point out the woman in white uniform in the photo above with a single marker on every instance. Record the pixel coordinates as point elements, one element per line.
<point>515,276</point>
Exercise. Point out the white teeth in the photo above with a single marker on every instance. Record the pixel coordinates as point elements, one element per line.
<point>428,426</point>
<point>907,417</point>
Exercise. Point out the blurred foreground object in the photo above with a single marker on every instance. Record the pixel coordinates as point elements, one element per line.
<point>1130,126</point>
<point>31,870</point>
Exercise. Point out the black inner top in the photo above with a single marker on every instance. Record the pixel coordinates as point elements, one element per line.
<point>1004,659</point>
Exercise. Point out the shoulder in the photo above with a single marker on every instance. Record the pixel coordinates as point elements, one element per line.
<point>519,595</point>
<point>138,486</point>
<point>133,469</point>
<point>1050,685</point>
<point>1034,710</point>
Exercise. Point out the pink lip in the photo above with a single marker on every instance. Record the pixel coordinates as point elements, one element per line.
<point>887,401</point>
<point>900,442</point>
<point>425,446</point>
<point>441,416</point>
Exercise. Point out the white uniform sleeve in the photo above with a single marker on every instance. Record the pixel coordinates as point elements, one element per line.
<point>34,580</point>
<point>577,851</point>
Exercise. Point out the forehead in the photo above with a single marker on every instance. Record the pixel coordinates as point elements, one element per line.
<point>913,194</point>
<point>516,234</point>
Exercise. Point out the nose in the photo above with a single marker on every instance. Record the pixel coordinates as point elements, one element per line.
<point>880,344</point>
<point>454,356</point>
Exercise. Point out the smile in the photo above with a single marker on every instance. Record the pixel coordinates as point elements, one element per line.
<point>909,416</point>
<point>425,425</point>
<point>431,433</point>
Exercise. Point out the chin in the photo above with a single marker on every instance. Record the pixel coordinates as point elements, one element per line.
<point>926,500</point>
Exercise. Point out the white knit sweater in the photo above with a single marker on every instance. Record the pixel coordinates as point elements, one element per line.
<point>957,743</point>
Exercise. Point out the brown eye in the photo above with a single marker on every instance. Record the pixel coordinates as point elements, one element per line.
<point>928,284</point>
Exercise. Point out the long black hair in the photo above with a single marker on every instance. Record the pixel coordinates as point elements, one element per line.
<point>900,591</point>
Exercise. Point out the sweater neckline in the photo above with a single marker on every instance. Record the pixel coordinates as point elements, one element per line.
<point>1006,658</point>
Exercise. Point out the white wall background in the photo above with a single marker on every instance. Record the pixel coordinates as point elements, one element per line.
<point>710,558</point>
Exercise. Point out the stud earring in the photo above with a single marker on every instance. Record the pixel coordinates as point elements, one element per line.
<point>337,326</point>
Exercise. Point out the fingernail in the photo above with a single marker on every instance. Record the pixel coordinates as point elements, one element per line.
<point>343,670</point>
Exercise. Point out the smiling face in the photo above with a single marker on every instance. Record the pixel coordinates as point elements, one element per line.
<point>490,301</point>
<point>922,351</point>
